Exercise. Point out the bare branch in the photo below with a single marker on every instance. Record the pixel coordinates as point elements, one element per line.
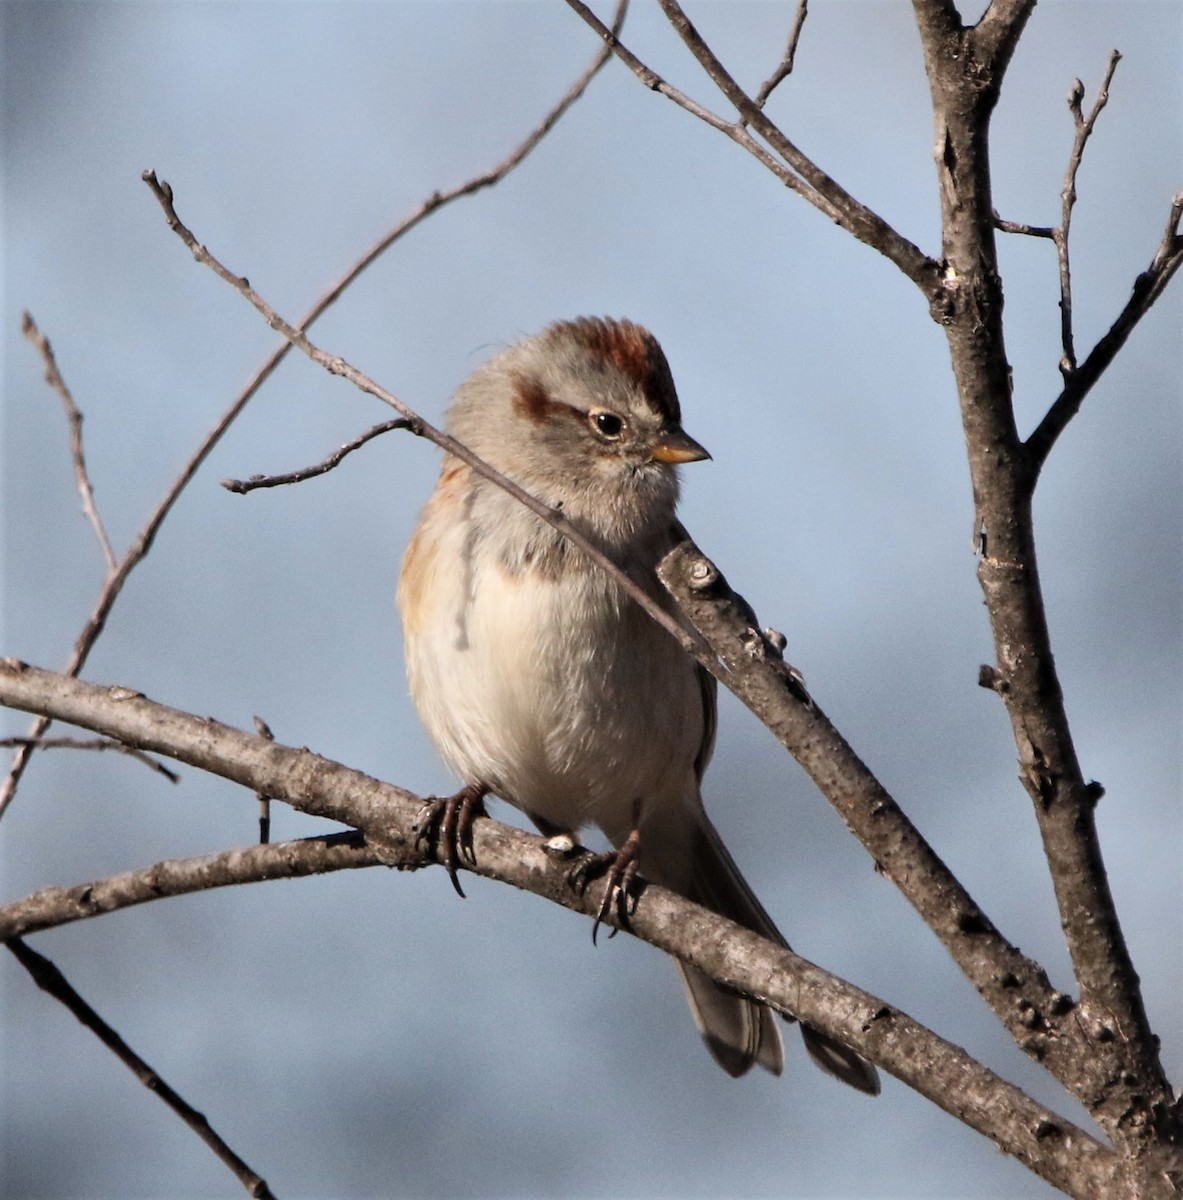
<point>1147,289</point>
<point>1123,1072</point>
<point>53,377</point>
<point>997,33</point>
<point>785,67</point>
<point>655,83</point>
<point>1037,231</point>
<point>69,743</point>
<point>54,906</point>
<point>1051,1146</point>
<point>242,486</point>
<point>143,542</point>
<point>49,979</point>
<point>336,365</point>
<point>804,177</point>
<point>1016,988</point>
<point>1084,129</point>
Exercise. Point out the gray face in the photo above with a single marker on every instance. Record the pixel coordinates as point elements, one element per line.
<point>591,400</point>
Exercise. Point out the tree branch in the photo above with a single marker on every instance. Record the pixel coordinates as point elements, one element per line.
<point>242,486</point>
<point>143,542</point>
<point>69,743</point>
<point>785,67</point>
<point>1016,989</point>
<point>415,424</point>
<point>49,979</point>
<point>1147,288</point>
<point>53,377</point>
<point>805,177</point>
<point>54,906</point>
<point>997,33</point>
<point>1123,1074</point>
<point>1084,129</point>
<point>1051,1146</point>
<point>736,131</point>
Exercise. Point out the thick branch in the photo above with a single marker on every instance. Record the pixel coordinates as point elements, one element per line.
<point>997,33</point>
<point>1123,1075</point>
<point>1016,988</point>
<point>1064,1155</point>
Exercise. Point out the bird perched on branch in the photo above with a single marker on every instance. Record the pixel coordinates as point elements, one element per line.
<point>540,681</point>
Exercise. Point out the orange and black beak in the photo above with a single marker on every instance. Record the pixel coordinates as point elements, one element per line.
<point>677,446</point>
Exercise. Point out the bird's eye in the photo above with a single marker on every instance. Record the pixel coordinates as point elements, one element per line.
<point>607,424</point>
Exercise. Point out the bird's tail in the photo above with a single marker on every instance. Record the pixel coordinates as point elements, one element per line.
<point>738,1032</point>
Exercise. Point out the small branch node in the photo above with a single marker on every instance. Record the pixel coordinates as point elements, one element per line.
<point>702,574</point>
<point>1075,97</point>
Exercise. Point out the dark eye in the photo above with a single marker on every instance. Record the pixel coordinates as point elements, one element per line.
<point>606,424</point>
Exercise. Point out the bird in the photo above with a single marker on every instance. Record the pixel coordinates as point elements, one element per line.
<point>540,681</point>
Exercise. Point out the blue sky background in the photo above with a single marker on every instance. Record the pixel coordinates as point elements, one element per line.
<point>369,1034</point>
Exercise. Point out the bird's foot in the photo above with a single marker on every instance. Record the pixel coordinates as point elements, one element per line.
<point>620,886</point>
<point>447,821</point>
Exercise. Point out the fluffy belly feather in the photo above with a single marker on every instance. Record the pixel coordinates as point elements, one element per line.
<point>555,695</point>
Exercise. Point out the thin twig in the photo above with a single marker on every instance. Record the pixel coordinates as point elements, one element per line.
<point>1084,129</point>
<point>1020,227</point>
<point>69,743</point>
<point>53,377</point>
<point>1147,289</point>
<point>336,365</point>
<point>49,979</point>
<point>785,67</point>
<point>242,486</point>
<point>143,543</point>
<point>804,177</point>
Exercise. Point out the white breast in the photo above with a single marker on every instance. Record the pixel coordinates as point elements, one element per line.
<point>553,691</point>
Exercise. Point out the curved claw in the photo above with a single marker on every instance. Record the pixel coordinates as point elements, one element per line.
<point>620,893</point>
<point>447,821</point>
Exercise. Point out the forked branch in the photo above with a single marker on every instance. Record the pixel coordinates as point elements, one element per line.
<point>1146,290</point>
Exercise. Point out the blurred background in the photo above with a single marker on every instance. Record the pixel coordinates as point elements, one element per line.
<point>369,1034</point>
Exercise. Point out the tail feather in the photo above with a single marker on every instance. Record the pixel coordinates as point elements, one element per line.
<point>837,1060</point>
<point>739,1033</point>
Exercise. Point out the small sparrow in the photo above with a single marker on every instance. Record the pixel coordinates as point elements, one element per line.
<point>539,681</point>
